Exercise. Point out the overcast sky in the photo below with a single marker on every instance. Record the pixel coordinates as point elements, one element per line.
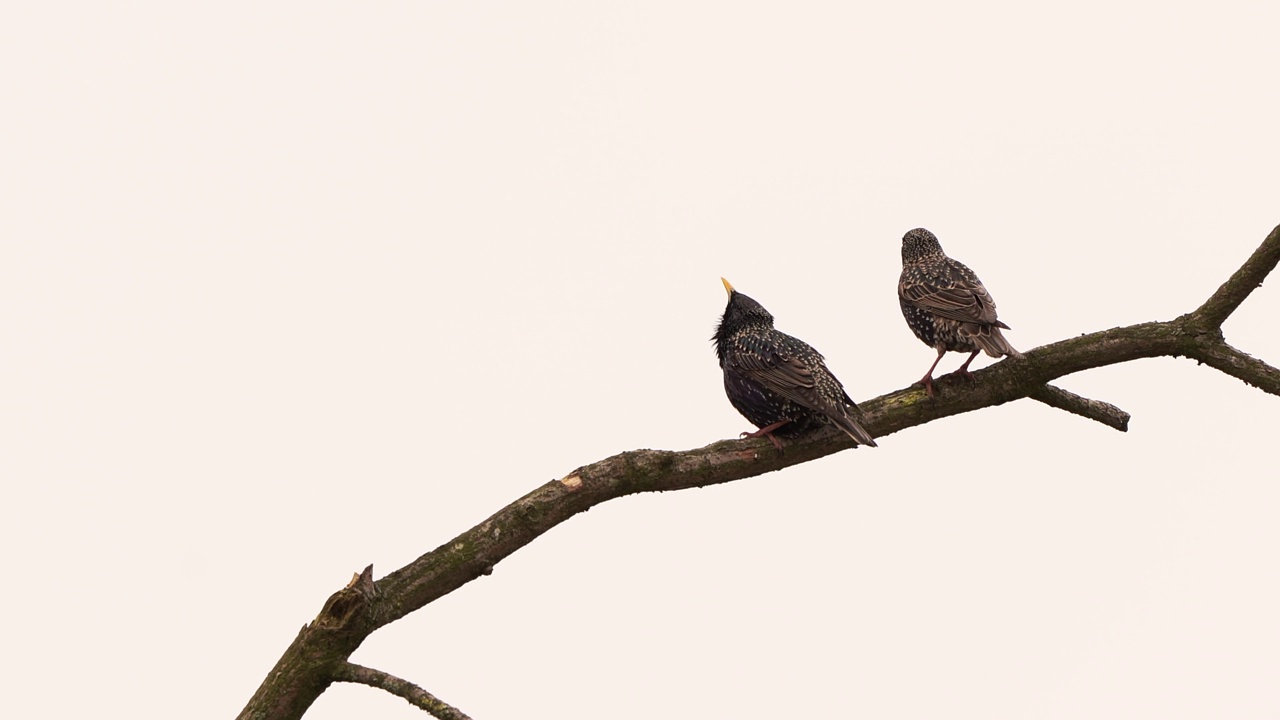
<point>292,288</point>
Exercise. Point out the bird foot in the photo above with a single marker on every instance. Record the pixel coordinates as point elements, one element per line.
<point>767,431</point>
<point>927,381</point>
<point>759,433</point>
<point>962,372</point>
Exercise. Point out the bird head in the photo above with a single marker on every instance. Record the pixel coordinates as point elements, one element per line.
<point>919,243</point>
<point>741,311</point>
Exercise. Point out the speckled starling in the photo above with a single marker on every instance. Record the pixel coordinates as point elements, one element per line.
<point>776,381</point>
<point>946,304</point>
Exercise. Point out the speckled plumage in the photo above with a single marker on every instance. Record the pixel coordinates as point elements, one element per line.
<point>946,305</point>
<point>778,382</point>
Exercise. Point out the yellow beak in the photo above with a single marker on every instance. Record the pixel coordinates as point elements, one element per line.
<point>727,287</point>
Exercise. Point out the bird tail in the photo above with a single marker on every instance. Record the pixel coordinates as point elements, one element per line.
<point>991,340</point>
<point>854,430</point>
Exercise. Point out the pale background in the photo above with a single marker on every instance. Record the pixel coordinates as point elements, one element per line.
<point>291,288</point>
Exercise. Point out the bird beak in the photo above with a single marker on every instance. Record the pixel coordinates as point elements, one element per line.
<point>727,287</point>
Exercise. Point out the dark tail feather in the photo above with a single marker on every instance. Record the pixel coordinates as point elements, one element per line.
<point>854,430</point>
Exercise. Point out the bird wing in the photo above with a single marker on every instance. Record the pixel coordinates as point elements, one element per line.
<point>791,369</point>
<point>786,374</point>
<point>954,293</point>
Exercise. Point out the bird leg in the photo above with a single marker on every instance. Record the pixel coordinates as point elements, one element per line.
<point>928,376</point>
<point>767,431</point>
<point>964,369</point>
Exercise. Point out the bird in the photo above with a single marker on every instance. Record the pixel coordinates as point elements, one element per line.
<point>946,305</point>
<point>778,382</point>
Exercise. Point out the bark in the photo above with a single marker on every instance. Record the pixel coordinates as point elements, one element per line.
<point>319,655</point>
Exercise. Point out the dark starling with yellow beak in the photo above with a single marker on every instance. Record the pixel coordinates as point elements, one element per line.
<point>778,382</point>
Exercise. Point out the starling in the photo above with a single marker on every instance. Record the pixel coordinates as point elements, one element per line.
<point>776,381</point>
<point>946,305</point>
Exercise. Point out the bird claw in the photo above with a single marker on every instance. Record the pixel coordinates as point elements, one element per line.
<point>766,433</point>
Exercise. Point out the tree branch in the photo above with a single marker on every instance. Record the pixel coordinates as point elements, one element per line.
<point>1105,413</point>
<point>416,696</point>
<point>1220,355</point>
<point>319,655</point>
<point>1222,303</point>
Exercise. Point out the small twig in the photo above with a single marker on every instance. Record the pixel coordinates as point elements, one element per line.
<point>1105,413</point>
<point>416,696</point>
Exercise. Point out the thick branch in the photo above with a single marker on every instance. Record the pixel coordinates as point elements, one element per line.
<point>416,696</point>
<point>318,656</point>
<point>1222,303</point>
